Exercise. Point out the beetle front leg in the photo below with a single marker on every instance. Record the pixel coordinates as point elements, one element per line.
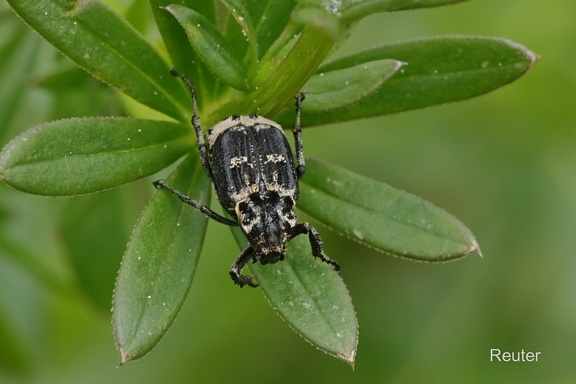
<point>237,267</point>
<point>301,166</point>
<point>202,146</point>
<point>315,242</point>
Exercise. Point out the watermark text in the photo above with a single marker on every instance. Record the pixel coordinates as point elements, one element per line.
<point>523,356</point>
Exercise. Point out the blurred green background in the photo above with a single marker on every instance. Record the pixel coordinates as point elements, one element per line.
<point>502,163</point>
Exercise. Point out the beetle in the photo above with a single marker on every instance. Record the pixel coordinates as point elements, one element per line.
<point>250,163</point>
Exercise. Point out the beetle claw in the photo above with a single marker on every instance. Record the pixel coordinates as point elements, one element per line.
<point>243,280</point>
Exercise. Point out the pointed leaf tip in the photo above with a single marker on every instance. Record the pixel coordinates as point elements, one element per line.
<point>83,155</point>
<point>159,264</point>
<point>344,87</point>
<point>382,217</point>
<point>439,70</point>
<point>311,297</point>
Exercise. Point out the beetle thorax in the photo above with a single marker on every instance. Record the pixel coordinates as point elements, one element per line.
<point>267,219</point>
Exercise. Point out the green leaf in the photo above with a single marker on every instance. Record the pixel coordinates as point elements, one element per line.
<point>437,71</point>
<point>247,32</point>
<point>75,156</point>
<point>105,45</point>
<point>270,17</point>
<point>216,53</point>
<point>415,4</point>
<point>159,264</point>
<point>277,32</point>
<point>347,86</point>
<point>311,297</point>
<point>382,217</point>
<point>356,10</point>
<point>182,55</point>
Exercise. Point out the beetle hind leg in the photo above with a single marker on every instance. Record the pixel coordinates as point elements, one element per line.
<point>237,267</point>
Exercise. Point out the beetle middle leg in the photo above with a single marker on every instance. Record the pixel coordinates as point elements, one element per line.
<point>199,206</point>
<point>237,267</point>
<point>315,242</point>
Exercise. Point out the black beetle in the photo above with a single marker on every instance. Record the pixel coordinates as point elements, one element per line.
<point>256,181</point>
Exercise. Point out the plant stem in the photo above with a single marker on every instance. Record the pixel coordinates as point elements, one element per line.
<point>308,52</point>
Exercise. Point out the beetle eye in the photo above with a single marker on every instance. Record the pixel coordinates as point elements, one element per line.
<point>288,210</point>
<point>247,219</point>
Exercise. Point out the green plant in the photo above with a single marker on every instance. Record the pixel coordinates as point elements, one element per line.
<point>245,57</point>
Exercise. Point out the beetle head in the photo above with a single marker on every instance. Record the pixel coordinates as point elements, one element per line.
<point>266,218</point>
